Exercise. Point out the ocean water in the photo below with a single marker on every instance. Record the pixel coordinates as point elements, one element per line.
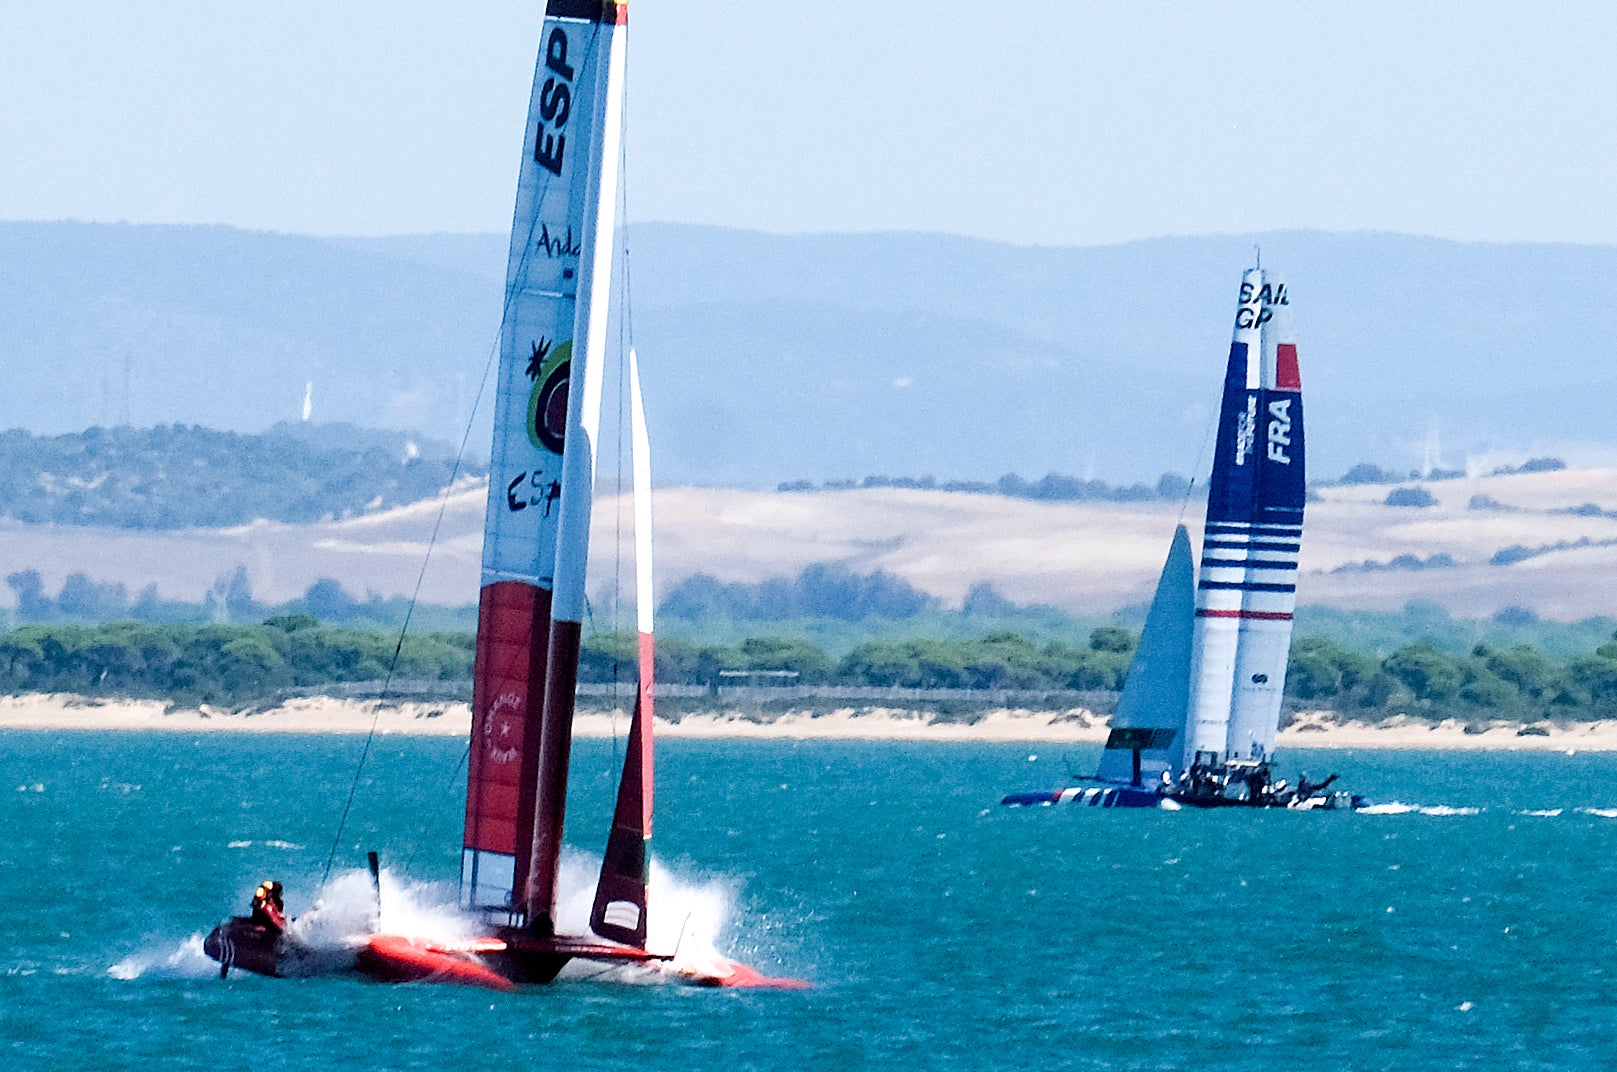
<point>1467,926</point>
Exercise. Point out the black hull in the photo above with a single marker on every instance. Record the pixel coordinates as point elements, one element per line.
<point>240,943</point>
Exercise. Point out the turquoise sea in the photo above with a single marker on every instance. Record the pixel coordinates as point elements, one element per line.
<point>941,931</point>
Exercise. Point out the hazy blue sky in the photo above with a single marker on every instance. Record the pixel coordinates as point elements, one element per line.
<point>1061,122</point>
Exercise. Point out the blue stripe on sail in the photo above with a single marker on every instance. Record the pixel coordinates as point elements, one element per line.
<point>1244,586</point>
<point>1256,543</point>
<point>1252,563</point>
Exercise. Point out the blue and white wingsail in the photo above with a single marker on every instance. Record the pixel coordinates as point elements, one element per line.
<point>1147,735</point>
<point>1247,586</point>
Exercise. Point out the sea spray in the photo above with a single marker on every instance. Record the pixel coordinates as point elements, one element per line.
<point>185,961</point>
<point>686,920</point>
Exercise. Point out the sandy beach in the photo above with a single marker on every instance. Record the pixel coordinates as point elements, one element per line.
<point>1312,729</point>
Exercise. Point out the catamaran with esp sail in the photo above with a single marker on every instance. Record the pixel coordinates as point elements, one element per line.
<point>535,554</point>
<point>1200,708</point>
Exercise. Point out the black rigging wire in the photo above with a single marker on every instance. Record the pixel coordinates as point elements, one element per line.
<point>404,629</point>
<point>443,503</point>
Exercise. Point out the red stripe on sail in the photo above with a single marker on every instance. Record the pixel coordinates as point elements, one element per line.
<point>549,810</point>
<point>513,620</point>
<point>619,912</point>
<point>1287,378</point>
<point>1252,615</point>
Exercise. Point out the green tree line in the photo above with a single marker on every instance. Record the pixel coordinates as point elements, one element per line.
<point>243,663</point>
<point>218,663</point>
<point>239,663</point>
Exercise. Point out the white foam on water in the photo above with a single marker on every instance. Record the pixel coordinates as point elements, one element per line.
<point>1547,813</point>
<point>1397,808</point>
<point>687,918</point>
<point>187,961</point>
<point>1604,813</point>
<point>345,913</point>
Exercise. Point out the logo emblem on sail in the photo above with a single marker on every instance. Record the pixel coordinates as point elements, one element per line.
<point>1246,430</point>
<point>549,369</point>
<point>502,728</point>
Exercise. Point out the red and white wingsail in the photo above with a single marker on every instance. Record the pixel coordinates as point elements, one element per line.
<point>542,463</point>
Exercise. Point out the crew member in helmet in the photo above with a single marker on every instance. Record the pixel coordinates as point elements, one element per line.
<point>269,909</point>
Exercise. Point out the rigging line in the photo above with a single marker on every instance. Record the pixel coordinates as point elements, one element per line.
<point>512,287</point>
<point>454,780</point>
<point>404,629</point>
<point>1190,488</point>
<point>513,284</point>
<point>451,783</point>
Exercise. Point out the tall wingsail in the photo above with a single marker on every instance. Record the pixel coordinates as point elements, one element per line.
<point>551,336</point>
<point>597,27</point>
<point>619,911</point>
<point>1247,586</point>
<point>1147,735</point>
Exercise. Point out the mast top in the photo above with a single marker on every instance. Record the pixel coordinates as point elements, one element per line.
<point>613,12</point>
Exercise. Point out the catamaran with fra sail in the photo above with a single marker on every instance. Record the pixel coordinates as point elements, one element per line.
<point>536,540</point>
<point>1200,709</point>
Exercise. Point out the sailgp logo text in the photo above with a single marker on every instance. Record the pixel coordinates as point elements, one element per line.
<point>1246,430</point>
<point>1257,306</point>
<point>555,104</point>
<point>1280,431</point>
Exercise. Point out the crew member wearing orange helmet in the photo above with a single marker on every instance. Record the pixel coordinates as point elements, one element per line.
<point>269,909</point>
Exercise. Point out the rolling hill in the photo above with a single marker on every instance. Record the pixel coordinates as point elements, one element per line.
<point>781,357</point>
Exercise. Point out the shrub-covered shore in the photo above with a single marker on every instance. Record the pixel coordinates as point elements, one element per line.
<point>237,664</point>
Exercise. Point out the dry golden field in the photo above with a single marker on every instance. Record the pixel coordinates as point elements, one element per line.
<point>1087,557</point>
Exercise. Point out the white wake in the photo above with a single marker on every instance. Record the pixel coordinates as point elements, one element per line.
<point>687,921</point>
<point>185,961</point>
<point>1397,808</point>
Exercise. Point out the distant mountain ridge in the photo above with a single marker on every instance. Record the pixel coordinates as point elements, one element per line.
<point>780,357</point>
